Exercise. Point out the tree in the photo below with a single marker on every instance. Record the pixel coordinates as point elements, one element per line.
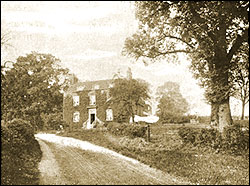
<point>31,87</point>
<point>209,32</point>
<point>172,105</point>
<point>240,76</point>
<point>128,97</point>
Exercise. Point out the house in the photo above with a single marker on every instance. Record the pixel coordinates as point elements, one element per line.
<point>84,104</point>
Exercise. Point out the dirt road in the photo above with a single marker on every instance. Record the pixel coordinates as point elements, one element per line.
<point>70,161</point>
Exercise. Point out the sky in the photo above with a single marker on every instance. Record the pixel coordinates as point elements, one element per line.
<point>88,38</point>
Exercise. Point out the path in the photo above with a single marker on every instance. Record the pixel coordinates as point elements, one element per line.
<point>71,161</point>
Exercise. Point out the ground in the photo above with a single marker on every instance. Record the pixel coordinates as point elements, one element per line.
<point>70,161</point>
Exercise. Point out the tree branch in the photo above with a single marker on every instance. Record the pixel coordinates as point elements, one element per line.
<point>237,44</point>
<point>180,39</point>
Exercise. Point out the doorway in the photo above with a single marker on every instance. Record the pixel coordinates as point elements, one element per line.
<point>92,118</point>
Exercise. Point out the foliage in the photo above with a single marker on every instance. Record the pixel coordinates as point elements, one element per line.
<point>236,140</point>
<point>210,33</point>
<point>128,97</point>
<point>183,161</point>
<point>172,106</point>
<point>242,123</point>
<point>33,86</point>
<point>240,76</point>
<point>233,139</point>
<point>20,153</point>
<point>130,130</point>
<point>53,121</point>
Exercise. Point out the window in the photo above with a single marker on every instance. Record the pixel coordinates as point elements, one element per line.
<point>109,115</point>
<point>75,101</point>
<point>76,117</point>
<point>81,88</point>
<point>111,85</point>
<point>92,99</point>
<point>96,87</point>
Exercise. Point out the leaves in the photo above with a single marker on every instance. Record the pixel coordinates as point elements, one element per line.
<point>171,102</point>
<point>211,33</point>
<point>33,87</point>
<point>128,96</point>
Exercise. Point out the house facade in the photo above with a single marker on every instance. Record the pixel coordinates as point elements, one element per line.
<point>85,104</point>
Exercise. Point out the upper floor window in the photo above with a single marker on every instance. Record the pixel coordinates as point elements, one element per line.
<point>96,87</point>
<point>92,99</point>
<point>76,101</point>
<point>80,88</point>
<point>111,85</point>
<point>76,116</point>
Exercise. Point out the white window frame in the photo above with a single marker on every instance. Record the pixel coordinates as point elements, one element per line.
<point>76,117</point>
<point>96,87</point>
<point>76,100</point>
<point>92,99</point>
<point>109,115</point>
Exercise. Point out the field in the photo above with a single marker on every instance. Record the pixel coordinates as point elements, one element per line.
<point>166,152</point>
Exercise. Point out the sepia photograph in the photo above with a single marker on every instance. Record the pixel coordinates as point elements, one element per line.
<point>124,93</point>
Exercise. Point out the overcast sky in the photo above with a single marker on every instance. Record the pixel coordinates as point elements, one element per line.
<point>88,38</point>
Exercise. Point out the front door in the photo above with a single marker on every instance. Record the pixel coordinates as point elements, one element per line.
<point>92,118</point>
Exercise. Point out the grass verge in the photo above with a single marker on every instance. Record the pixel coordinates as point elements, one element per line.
<point>167,153</point>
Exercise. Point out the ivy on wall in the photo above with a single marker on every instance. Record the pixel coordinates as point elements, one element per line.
<point>69,109</point>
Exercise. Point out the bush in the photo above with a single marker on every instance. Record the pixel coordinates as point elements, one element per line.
<point>123,129</point>
<point>233,139</point>
<point>242,123</point>
<point>188,135</point>
<point>176,119</point>
<point>236,139</point>
<point>53,121</point>
<point>20,153</point>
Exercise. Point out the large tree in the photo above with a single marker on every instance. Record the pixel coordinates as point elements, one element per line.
<point>209,32</point>
<point>32,88</point>
<point>171,102</point>
<point>128,98</point>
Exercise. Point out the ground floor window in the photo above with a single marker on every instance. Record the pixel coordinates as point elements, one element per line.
<point>76,117</point>
<point>109,115</point>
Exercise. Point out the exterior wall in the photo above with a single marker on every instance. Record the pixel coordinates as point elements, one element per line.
<point>84,106</point>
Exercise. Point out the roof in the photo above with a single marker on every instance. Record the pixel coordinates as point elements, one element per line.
<point>90,85</point>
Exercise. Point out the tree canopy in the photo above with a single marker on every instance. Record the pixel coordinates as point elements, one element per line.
<point>171,102</point>
<point>128,97</point>
<point>209,32</point>
<point>32,87</point>
<point>240,76</point>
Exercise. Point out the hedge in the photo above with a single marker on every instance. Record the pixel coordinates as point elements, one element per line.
<point>234,139</point>
<point>20,153</point>
<point>131,130</point>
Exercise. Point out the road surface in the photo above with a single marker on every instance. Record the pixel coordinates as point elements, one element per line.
<point>68,161</point>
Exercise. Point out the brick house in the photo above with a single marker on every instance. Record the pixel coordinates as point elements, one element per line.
<point>84,104</point>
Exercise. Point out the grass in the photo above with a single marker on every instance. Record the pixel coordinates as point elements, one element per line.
<point>166,152</point>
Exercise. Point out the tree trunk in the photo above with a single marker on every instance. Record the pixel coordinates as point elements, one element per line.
<point>224,113</point>
<point>221,115</point>
<point>214,119</point>
<point>243,109</point>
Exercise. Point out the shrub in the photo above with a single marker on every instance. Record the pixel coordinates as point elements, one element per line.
<point>242,123</point>
<point>187,134</point>
<point>123,129</point>
<point>20,153</point>
<point>233,139</point>
<point>53,121</point>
